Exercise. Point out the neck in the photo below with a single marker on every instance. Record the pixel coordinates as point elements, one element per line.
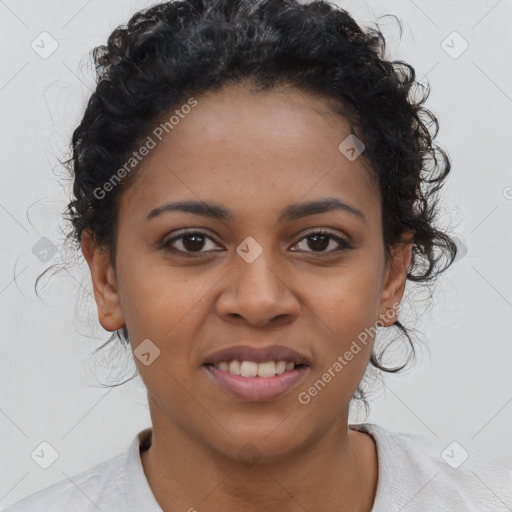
<point>185,473</point>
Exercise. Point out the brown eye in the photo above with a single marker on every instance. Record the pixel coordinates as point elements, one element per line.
<point>320,241</point>
<point>192,243</point>
<point>189,242</point>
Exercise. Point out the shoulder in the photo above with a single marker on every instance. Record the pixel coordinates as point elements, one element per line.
<point>420,472</point>
<point>82,492</point>
<point>114,485</point>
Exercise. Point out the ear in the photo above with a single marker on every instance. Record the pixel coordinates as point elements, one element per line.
<point>395,278</point>
<point>104,283</point>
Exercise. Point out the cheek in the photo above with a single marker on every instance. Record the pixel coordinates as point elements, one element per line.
<point>160,304</point>
<point>348,298</point>
<point>156,298</point>
<point>170,309</point>
<point>347,305</point>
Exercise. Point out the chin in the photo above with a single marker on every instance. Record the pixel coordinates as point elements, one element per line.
<point>263,442</point>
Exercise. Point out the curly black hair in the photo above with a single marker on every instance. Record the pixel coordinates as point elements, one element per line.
<point>178,49</point>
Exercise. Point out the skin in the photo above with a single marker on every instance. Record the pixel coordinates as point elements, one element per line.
<point>255,154</point>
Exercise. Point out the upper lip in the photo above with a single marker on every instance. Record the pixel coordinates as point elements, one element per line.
<point>258,355</point>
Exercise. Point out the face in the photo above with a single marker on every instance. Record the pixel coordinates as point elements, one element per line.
<point>257,269</point>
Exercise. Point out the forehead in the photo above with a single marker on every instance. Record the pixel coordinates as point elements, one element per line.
<point>251,149</point>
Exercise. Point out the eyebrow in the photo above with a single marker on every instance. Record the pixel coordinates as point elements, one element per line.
<point>292,212</point>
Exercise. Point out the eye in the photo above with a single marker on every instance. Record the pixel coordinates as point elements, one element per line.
<point>188,242</point>
<point>320,240</point>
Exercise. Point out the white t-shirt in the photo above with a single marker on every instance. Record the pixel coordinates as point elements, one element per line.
<point>416,473</point>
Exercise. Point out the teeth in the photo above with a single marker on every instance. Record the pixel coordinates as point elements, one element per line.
<point>281,367</point>
<point>234,367</point>
<point>266,369</point>
<point>248,369</point>
<point>252,369</point>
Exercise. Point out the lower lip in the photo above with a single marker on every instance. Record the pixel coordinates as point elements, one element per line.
<point>258,389</point>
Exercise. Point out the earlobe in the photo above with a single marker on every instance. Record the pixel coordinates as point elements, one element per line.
<point>103,281</point>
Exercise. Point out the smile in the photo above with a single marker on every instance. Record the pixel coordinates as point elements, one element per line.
<point>251,381</point>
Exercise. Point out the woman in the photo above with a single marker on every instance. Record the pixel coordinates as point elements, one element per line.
<point>254,184</point>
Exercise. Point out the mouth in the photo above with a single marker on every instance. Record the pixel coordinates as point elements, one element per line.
<point>257,374</point>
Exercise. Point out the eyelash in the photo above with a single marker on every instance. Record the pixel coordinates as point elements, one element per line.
<point>344,244</point>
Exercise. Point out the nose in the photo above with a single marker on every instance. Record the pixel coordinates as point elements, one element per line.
<point>257,293</point>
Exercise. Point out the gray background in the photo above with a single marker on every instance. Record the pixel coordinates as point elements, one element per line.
<point>460,389</point>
